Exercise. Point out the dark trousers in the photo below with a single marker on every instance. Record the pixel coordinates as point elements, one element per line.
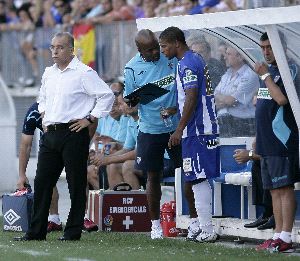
<point>59,149</point>
<point>261,196</point>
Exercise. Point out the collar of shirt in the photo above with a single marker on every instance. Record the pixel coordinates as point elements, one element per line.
<point>72,65</point>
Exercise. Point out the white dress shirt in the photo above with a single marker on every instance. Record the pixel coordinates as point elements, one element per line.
<point>73,93</point>
<point>242,85</point>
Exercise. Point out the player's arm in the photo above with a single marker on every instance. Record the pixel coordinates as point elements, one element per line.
<point>188,110</point>
<point>24,154</point>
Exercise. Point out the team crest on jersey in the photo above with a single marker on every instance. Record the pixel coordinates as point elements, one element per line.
<point>189,77</point>
<point>263,93</point>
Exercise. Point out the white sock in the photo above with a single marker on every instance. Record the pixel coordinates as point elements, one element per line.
<point>286,236</point>
<point>276,236</point>
<point>194,223</point>
<point>155,223</point>
<point>54,218</point>
<point>203,198</point>
<point>86,216</point>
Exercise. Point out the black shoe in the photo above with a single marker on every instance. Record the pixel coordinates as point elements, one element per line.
<point>27,238</point>
<point>269,224</point>
<point>68,238</point>
<point>260,221</point>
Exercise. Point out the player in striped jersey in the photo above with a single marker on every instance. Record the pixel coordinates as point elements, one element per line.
<point>198,127</point>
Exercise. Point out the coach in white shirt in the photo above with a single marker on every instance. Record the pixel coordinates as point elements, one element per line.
<point>72,98</point>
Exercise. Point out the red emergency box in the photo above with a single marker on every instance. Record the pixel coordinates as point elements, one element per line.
<point>119,211</point>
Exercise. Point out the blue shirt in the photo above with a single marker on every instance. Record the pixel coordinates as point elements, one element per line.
<point>276,128</point>
<point>138,73</point>
<point>131,136</point>
<point>32,120</point>
<point>108,126</point>
<point>193,73</point>
<point>122,131</point>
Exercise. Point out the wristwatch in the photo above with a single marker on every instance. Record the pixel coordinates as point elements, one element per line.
<point>89,118</point>
<point>250,154</point>
<point>264,76</point>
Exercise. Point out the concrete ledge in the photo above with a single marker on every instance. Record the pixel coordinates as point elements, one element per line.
<point>235,227</point>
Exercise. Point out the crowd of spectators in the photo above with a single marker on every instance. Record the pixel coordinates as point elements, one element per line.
<point>50,13</point>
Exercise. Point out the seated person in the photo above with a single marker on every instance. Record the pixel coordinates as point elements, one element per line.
<point>215,67</point>
<point>120,12</point>
<point>113,127</point>
<point>120,165</point>
<point>233,97</point>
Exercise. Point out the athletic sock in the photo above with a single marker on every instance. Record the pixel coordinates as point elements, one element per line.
<point>286,236</point>
<point>276,236</point>
<point>54,218</point>
<point>203,199</point>
<point>155,223</point>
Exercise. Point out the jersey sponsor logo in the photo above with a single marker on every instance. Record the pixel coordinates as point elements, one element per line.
<point>187,165</point>
<point>263,93</point>
<point>189,77</point>
<point>165,81</point>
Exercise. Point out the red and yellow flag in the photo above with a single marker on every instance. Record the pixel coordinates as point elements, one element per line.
<point>85,43</point>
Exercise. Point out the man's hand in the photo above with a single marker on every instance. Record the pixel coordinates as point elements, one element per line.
<point>79,125</point>
<point>261,68</point>
<point>21,182</point>
<point>241,156</point>
<point>98,159</point>
<point>175,138</point>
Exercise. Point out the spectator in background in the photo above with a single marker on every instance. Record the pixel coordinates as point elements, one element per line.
<point>221,52</point>
<point>216,69</point>
<point>234,95</point>
<point>192,7</point>
<point>120,12</point>
<point>3,14</point>
<point>33,121</point>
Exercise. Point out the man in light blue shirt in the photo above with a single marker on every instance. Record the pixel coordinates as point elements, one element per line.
<point>149,66</point>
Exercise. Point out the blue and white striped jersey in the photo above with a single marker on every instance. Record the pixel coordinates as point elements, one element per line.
<point>192,72</point>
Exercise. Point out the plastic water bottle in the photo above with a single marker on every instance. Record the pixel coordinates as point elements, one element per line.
<point>166,117</point>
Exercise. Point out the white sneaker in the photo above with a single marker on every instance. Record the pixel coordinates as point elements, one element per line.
<point>156,233</point>
<point>193,233</point>
<point>207,237</point>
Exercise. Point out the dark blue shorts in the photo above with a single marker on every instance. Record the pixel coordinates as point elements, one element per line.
<point>201,157</point>
<point>151,149</point>
<point>277,172</point>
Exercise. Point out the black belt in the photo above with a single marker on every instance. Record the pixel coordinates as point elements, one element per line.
<point>58,126</point>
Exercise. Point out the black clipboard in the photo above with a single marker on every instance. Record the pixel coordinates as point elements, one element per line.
<point>147,93</point>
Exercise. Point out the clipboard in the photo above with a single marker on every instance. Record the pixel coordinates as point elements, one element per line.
<point>147,93</point>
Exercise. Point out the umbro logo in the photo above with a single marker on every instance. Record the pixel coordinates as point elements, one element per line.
<point>11,217</point>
